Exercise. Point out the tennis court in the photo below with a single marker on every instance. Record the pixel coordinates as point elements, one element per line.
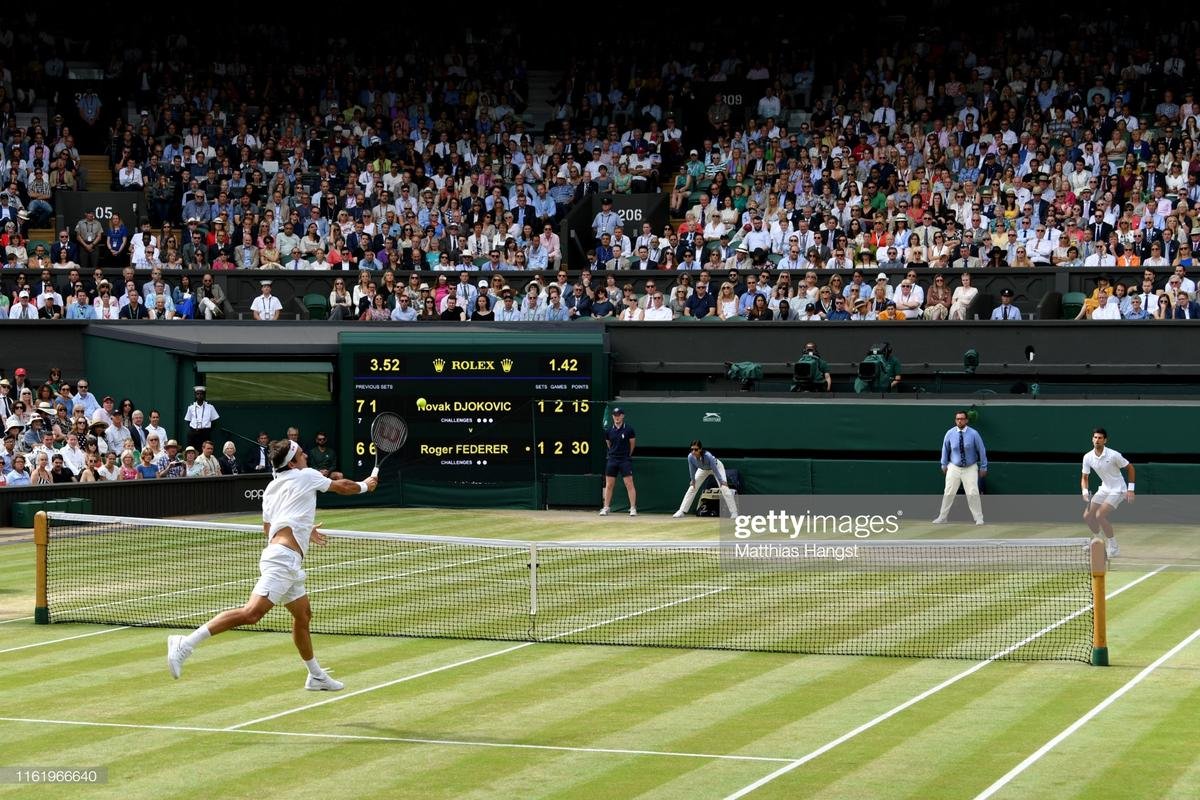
<point>482,718</point>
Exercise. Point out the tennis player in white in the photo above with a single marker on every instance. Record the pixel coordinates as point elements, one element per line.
<point>289,512</point>
<point>1107,463</point>
<point>701,464</point>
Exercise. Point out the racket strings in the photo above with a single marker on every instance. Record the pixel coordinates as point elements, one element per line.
<point>389,432</point>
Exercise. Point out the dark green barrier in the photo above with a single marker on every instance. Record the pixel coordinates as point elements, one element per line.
<point>906,429</point>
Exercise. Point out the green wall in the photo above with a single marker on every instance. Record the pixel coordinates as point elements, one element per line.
<point>661,482</point>
<point>148,375</point>
<point>1060,428</point>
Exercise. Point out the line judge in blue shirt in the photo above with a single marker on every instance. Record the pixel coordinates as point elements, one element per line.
<point>700,464</point>
<point>964,461</point>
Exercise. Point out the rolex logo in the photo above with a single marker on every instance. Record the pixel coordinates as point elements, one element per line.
<point>506,364</point>
<point>439,364</point>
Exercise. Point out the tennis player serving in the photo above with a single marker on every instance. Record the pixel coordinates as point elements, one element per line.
<point>289,512</point>
<point>1107,463</point>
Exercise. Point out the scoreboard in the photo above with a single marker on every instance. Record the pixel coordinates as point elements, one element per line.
<point>493,408</point>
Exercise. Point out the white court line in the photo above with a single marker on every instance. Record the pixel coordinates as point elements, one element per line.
<point>404,739</point>
<point>14,619</point>
<point>464,662</point>
<point>64,639</point>
<point>1079,723</point>
<point>866,726</point>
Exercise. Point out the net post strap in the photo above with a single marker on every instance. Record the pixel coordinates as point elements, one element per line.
<point>533,580</point>
<point>41,541</point>
<point>1099,569</point>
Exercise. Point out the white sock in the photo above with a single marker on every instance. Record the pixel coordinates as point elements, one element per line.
<point>314,668</point>
<point>197,636</point>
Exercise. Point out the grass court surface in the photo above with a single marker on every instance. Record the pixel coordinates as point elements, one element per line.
<point>464,718</point>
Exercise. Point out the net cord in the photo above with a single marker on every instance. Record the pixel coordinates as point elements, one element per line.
<point>1080,544</point>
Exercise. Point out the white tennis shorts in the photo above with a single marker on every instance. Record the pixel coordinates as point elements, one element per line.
<point>282,578</point>
<point>1112,497</point>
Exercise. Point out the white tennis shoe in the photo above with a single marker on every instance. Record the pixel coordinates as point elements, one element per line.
<point>604,511</point>
<point>177,652</point>
<point>1112,548</point>
<point>323,684</point>
<point>677,515</point>
<point>633,512</point>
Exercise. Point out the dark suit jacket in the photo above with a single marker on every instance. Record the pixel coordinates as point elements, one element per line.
<point>1193,309</point>
<point>228,465</point>
<point>251,462</point>
<point>72,250</point>
<point>453,252</point>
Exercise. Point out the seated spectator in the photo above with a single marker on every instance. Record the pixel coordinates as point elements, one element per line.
<point>890,313</point>
<point>962,298</point>
<point>128,470</point>
<point>909,297</point>
<point>173,466</point>
<point>18,475</point>
<point>23,309</point>
<point>938,300</point>
<point>90,471</point>
<point>192,467</point>
<point>147,468</point>
<point>228,459</point>
<point>110,471</point>
<point>1108,308</point>
<point>1136,311</point>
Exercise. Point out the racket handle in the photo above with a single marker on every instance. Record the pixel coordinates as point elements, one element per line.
<point>375,472</point>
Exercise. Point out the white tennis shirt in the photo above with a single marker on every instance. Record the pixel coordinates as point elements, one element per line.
<point>290,501</point>
<point>1108,466</point>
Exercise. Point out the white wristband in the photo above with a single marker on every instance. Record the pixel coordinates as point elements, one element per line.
<point>363,488</point>
<point>1084,492</point>
<point>1131,487</point>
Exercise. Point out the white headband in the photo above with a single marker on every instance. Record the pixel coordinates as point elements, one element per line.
<point>293,448</point>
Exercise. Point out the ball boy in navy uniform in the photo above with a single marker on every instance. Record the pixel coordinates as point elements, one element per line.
<point>620,440</point>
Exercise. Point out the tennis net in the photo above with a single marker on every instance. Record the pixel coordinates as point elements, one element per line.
<point>979,599</point>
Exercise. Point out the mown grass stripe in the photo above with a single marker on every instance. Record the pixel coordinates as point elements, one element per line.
<point>1037,755</point>
<point>393,739</point>
<point>906,704</point>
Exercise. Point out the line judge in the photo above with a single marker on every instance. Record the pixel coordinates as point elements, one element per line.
<point>964,461</point>
<point>200,417</point>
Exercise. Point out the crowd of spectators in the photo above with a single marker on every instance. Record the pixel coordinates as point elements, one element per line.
<point>59,431</point>
<point>934,149</point>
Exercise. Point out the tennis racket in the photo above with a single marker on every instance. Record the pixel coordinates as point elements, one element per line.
<point>389,432</point>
